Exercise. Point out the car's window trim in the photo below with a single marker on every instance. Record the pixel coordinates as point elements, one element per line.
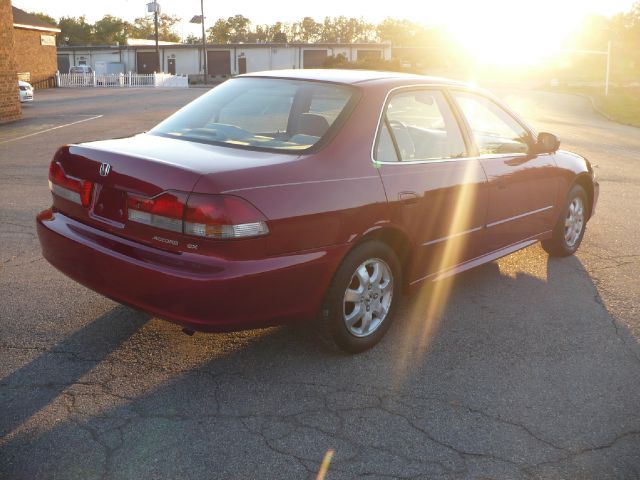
<point>442,88</point>
<point>472,148</point>
<point>336,126</point>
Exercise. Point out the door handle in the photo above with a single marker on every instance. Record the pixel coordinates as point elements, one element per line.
<point>408,198</point>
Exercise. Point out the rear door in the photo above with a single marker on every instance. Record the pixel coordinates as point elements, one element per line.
<point>436,191</point>
<point>522,186</point>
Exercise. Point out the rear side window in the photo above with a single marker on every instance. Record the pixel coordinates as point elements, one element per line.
<point>420,124</point>
<point>261,113</point>
<point>495,131</point>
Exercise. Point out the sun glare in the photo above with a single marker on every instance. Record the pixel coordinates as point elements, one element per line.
<point>502,34</point>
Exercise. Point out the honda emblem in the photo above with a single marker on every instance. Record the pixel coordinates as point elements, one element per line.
<point>105,168</point>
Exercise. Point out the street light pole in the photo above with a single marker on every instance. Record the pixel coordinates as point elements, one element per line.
<point>155,21</point>
<point>204,42</point>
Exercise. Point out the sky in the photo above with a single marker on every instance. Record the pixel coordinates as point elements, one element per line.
<point>259,11</point>
<point>493,31</point>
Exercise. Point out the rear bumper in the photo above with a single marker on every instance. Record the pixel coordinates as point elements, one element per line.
<point>199,292</point>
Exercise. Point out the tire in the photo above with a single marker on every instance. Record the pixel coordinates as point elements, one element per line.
<point>569,230</point>
<point>357,311</point>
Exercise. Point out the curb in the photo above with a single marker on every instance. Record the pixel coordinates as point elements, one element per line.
<point>600,111</point>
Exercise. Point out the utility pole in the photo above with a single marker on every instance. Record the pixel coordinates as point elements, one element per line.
<point>200,19</point>
<point>155,8</point>
<point>204,42</point>
<point>155,21</point>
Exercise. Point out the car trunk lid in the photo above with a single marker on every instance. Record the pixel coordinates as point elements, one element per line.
<point>143,167</point>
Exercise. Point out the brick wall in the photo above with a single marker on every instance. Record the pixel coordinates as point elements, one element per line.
<point>9,102</point>
<point>39,60</point>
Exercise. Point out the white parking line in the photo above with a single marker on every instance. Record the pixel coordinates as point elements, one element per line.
<point>49,129</point>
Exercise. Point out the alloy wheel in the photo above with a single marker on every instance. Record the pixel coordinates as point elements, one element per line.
<point>574,221</point>
<point>368,297</point>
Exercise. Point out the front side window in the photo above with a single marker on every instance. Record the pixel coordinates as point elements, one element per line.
<point>494,130</point>
<point>261,113</point>
<point>420,125</point>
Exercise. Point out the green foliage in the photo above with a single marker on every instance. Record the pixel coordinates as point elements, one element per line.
<point>192,39</point>
<point>307,30</point>
<point>144,27</point>
<point>621,105</point>
<point>110,30</point>
<point>346,30</point>
<point>219,32</point>
<point>234,29</point>
<point>75,31</point>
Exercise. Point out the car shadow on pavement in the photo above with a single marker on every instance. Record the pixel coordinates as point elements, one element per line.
<point>34,386</point>
<point>525,375</point>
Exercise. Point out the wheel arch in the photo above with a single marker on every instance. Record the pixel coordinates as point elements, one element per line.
<point>395,239</point>
<point>585,181</point>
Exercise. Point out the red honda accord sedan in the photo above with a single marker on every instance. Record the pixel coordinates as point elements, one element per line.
<point>302,195</point>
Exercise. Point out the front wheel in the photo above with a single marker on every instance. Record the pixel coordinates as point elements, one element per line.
<point>569,231</point>
<point>362,298</point>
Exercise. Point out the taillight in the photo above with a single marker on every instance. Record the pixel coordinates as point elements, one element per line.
<point>164,211</point>
<point>223,216</point>
<point>209,216</point>
<point>69,188</point>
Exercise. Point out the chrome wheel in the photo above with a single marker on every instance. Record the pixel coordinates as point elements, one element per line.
<point>574,222</point>
<point>368,296</point>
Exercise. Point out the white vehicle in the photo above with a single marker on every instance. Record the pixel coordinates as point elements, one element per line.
<point>81,75</point>
<point>25,91</point>
<point>81,69</point>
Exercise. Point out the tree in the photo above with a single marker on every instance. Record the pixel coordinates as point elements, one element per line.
<point>278,32</point>
<point>307,30</point>
<point>239,28</point>
<point>192,39</point>
<point>219,32</point>
<point>346,30</point>
<point>110,30</point>
<point>260,34</point>
<point>75,31</point>
<point>143,27</point>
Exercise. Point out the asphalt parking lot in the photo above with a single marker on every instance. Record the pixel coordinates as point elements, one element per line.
<point>532,371</point>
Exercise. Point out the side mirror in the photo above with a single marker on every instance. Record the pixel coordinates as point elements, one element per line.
<point>547,143</point>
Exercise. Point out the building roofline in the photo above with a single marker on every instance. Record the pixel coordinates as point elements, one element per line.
<point>22,19</point>
<point>227,45</point>
<point>34,27</point>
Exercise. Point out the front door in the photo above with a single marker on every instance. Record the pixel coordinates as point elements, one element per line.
<point>436,192</point>
<point>242,65</point>
<point>522,186</point>
<point>171,66</point>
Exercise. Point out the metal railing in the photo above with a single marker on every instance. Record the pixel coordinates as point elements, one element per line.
<point>118,80</point>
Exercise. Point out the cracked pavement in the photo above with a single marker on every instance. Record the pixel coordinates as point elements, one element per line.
<point>532,370</point>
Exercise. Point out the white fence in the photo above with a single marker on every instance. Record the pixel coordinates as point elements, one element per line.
<point>118,80</point>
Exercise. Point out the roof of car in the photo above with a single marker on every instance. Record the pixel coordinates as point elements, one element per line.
<point>351,76</point>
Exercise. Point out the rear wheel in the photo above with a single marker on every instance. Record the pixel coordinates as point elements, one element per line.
<point>362,298</point>
<point>569,231</point>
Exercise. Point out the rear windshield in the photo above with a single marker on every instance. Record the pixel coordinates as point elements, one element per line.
<point>261,113</point>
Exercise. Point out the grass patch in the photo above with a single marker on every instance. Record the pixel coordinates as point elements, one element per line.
<point>621,105</point>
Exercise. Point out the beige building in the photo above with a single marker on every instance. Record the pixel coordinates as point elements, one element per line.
<point>35,48</point>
